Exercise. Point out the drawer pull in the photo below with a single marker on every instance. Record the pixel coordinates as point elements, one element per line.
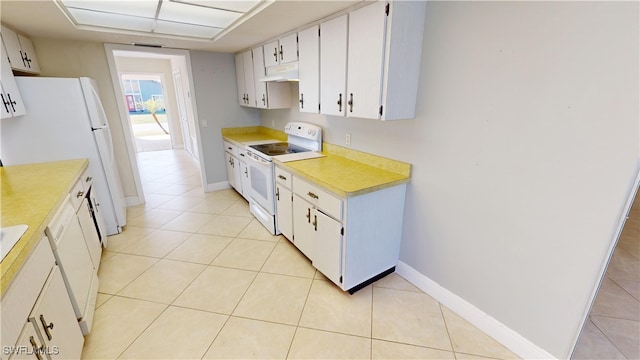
<point>80,194</point>
<point>312,195</point>
<point>88,179</point>
<point>282,177</point>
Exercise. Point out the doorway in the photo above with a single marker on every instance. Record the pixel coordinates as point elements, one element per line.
<point>148,113</point>
<point>155,81</point>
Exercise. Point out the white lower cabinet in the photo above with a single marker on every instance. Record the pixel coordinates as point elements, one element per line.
<point>245,180</point>
<point>55,320</point>
<point>353,241</point>
<point>38,320</point>
<point>29,345</point>
<point>284,210</point>
<point>303,233</point>
<point>327,246</point>
<point>233,171</point>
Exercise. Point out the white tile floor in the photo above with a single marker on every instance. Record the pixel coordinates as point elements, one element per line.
<point>613,328</point>
<point>194,276</point>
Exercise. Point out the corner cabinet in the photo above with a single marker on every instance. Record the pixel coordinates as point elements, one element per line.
<point>353,241</point>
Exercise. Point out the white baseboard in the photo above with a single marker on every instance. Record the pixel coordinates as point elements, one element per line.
<point>132,201</point>
<point>217,186</point>
<point>492,327</point>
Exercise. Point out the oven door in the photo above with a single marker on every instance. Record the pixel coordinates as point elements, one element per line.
<point>261,199</point>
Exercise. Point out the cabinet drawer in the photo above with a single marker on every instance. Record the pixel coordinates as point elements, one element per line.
<point>322,199</point>
<point>77,194</point>
<point>283,177</point>
<point>232,149</point>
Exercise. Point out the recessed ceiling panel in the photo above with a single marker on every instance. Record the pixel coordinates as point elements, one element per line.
<point>114,21</point>
<point>180,29</point>
<point>238,5</point>
<point>144,8</point>
<point>190,14</point>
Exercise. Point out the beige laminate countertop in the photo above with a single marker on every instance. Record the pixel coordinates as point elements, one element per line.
<point>343,171</point>
<point>31,194</point>
<point>343,176</point>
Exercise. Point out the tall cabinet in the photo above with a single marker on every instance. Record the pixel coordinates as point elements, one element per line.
<point>309,70</point>
<point>385,48</point>
<point>333,66</point>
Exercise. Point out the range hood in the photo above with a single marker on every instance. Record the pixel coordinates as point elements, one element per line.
<point>280,73</point>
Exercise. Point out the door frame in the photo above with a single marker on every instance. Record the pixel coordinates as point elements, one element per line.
<point>179,58</point>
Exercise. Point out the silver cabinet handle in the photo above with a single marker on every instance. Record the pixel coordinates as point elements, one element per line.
<point>282,177</point>
<point>80,194</point>
<point>312,195</point>
<point>88,179</point>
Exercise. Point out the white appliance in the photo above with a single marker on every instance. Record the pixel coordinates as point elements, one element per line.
<point>65,120</point>
<point>74,259</point>
<point>303,142</point>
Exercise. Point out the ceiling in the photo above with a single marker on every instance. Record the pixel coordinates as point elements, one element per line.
<point>42,18</point>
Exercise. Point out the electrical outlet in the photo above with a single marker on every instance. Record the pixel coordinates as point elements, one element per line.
<point>347,139</point>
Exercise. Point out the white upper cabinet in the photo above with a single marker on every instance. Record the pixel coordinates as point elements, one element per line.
<point>269,95</point>
<point>22,55</point>
<point>281,51</point>
<point>245,79</point>
<point>12,104</point>
<point>309,70</point>
<point>333,66</point>
<point>258,72</point>
<point>385,47</point>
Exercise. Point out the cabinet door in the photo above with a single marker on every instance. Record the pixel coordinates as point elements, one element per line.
<point>242,88</point>
<point>333,66</point>
<point>28,345</point>
<point>22,57</point>
<point>234,179</point>
<point>365,65</point>
<point>249,81</point>
<point>56,321</point>
<point>245,182</point>
<point>309,70</point>
<point>304,233</point>
<point>288,50</point>
<point>12,104</point>
<point>327,246</point>
<point>271,54</point>
<point>259,72</point>
<point>284,211</point>
<point>90,233</point>
<point>29,54</point>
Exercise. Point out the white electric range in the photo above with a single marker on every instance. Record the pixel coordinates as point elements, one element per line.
<point>304,141</point>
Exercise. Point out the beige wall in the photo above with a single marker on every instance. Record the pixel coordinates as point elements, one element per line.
<point>524,148</point>
<point>63,58</point>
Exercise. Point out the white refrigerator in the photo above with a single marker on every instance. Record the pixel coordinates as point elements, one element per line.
<point>65,120</point>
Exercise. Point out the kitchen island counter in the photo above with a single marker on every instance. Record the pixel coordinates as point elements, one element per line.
<point>31,194</point>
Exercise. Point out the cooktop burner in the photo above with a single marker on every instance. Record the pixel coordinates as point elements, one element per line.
<point>276,149</point>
